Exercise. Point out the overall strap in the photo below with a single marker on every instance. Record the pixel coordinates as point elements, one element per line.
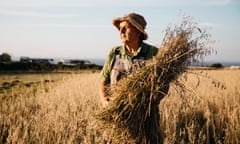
<point>117,54</point>
<point>117,51</point>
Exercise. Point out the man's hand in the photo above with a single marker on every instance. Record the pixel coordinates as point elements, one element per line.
<point>103,94</point>
<point>105,101</point>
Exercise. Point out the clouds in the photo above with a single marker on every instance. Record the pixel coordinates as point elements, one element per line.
<point>34,13</point>
<point>46,8</point>
<point>94,3</point>
<point>75,26</point>
<point>53,3</point>
<point>198,2</point>
<point>81,26</point>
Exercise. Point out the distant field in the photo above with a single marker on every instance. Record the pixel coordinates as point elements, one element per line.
<point>60,108</point>
<point>12,82</point>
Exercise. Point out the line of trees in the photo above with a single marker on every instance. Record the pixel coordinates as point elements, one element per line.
<point>6,64</point>
<point>5,57</point>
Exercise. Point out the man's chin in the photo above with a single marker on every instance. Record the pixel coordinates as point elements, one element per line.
<point>125,41</point>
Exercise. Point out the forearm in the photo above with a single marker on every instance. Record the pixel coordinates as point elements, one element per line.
<point>103,93</point>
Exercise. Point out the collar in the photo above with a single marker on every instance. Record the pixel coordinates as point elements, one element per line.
<point>124,51</point>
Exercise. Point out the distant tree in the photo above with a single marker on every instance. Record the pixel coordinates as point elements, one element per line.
<point>5,57</point>
<point>217,65</point>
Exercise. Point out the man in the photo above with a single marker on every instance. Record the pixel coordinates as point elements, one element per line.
<point>126,58</point>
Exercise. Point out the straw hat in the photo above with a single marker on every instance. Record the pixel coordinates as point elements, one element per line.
<point>136,20</point>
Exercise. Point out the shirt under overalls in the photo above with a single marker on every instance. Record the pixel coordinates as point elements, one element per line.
<point>120,63</point>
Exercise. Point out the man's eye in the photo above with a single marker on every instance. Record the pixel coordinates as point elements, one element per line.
<point>123,29</point>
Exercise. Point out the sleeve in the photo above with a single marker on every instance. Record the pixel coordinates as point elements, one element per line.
<point>154,50</point>
<point>151,50</point>
<point>106,70</point>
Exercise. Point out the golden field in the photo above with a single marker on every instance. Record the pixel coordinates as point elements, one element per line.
<point>61,108</point>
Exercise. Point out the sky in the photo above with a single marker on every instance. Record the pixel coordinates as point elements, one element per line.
<point>83,28</point>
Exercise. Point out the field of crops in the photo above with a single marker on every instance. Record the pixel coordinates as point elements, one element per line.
<point>61,108</point>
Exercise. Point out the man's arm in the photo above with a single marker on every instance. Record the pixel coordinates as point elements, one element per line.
<point>105,77</point>
<point>103,93</point>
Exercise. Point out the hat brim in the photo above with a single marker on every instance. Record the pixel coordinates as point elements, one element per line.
<point>116,22</point>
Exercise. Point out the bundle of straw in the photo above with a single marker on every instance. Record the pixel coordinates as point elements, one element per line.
<point>133,113</point>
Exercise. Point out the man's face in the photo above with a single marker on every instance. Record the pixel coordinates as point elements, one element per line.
<point>128,33</point>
